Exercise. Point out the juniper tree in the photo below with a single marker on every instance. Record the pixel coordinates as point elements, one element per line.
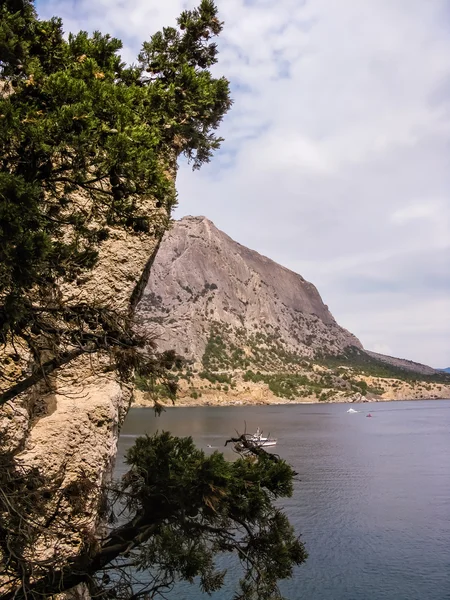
<point>84,138</point>
<point>180,511</point>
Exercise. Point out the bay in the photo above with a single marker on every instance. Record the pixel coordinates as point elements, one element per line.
<point>372,499</point>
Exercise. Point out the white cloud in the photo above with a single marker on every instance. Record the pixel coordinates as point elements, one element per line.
<point>431,210</point>
<point>336,155</point>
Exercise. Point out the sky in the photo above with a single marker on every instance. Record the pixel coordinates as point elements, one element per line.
<point>336,155</point>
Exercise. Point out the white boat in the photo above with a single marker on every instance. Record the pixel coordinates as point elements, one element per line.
<point>352,410</point>
<point>257,438</point>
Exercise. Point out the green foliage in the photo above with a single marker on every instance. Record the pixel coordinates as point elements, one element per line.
<point>376,390</point>
<point>360,386</point>
<point>23,37</point>
<point>183,56</point>
<point>216,377</point>
<point>89,145</point>
<point>325,396</point>
<point>204,504</point>
<point>166,389</point>
<point>74,119</point>
<point>215,355</point>
<point>177,510</point>
<point>285,385</point>
<point>263,349</point>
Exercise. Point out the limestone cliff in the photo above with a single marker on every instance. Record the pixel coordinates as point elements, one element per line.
<point>69,434</point>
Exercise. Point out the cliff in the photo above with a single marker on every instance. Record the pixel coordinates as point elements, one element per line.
<point>253,331</point>
<point>90,148</point>
<point>69,434</point>
<point>204,284</point>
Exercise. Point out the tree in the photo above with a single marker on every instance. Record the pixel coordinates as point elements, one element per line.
<point>181,510</point>
<point>85,140</point>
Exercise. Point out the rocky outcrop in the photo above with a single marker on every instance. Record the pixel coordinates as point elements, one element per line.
<point>254,332</point>
<point>203,283</point>
<point>69,434</point>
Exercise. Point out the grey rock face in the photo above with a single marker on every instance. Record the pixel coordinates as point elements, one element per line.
<point>203,282</point>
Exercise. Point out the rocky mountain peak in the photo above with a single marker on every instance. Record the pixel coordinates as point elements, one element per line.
<point>214,300</point>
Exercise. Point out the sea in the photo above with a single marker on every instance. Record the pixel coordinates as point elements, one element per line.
<point>371,500</point>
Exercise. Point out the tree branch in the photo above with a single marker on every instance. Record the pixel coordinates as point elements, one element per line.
<point>81,572</point>
<point>45,370</point>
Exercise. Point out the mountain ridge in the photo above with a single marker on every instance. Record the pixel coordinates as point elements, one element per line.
<point>204,281</point>
<point>252,331</point>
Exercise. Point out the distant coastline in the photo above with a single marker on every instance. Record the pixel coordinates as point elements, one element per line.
<point>140,402</point>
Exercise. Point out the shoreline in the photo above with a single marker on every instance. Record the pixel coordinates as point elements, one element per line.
<point>200,392</point>
<point>195,404</point>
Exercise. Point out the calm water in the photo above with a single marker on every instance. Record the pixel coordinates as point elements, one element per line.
<point>373,500</point>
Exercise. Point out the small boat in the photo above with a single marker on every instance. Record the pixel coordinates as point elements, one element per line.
<point>258,439</point>
<point>368,415</point>
<point>352,410</point>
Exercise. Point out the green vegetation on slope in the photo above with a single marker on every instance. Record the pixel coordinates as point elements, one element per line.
<point>295,385</point>
<point>261,357</point>
<point>231,348</point>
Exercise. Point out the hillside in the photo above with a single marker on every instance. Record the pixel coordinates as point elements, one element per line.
<point>248,327</point>
<point>213,300</point>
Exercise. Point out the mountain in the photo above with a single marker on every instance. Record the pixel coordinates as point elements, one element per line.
<point>447,370</point>
<point>253,331</point>
<point>220,303</point>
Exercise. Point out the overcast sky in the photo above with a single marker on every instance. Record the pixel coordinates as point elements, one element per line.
<point>336,159</point>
